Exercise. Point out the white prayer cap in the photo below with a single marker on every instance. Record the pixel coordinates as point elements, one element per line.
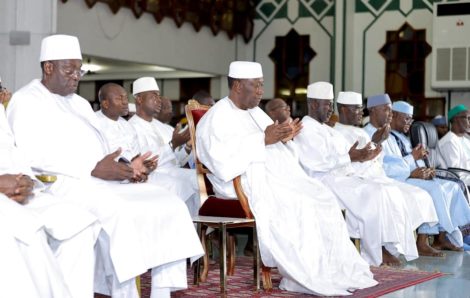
<point>144,84</point>
<point>60,47</point>
<point>320,90</point>
<point>245,70</point>
<point>132,108</point>
<point>349,98</point>
<point>402,107</point>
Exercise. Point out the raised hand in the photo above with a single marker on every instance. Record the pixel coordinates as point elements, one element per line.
<point>381,134</point>
<point>369,152</point>
<point>277,132</point>
<point>419,152</point>
<point>179,137</point>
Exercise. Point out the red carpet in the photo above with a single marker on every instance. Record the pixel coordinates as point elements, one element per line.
<point>241,284</point>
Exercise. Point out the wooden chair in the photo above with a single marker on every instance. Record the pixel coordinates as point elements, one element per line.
<point>221,213</point>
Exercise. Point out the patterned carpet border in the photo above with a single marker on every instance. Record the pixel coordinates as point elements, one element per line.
<point>241,284</point>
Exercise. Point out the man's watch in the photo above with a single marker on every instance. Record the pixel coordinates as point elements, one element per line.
<point>124,160</point>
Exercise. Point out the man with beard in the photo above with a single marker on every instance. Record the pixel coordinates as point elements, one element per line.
<point>401,163</point>
<point>379,212</point>
<point>300,226</point>
<point>144,227</point>
<point>454,147</point>
<point>440,122</point>
<point>151,138</point>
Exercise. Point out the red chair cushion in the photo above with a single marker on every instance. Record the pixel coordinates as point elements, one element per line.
<point>214,206</point>
<point>197,115</point>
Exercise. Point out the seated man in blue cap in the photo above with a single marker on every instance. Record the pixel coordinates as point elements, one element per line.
<point>454,147</point>
<point>440,122</point>
<point>405,164</point>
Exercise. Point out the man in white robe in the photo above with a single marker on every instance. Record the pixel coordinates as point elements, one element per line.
<point>71,230</point>
<point>350,119</point>
<point>378,212</point>
<point>151,138</point>
<point>403,164</point>
<point>454,147</point>
<point>143,225</point>
<point>28,267</point>
<point>163,118</point>
<point>300,226</point>
<point>119,133</point>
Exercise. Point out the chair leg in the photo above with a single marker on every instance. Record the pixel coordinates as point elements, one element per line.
<point>256,259</point>
<point>231,254</point>
<point>205,266</point>
<point>267,282</point>
<point>223,259</point>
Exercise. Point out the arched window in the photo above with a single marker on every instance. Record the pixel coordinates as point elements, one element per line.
<point>405,54</point>
<point>291,56</point>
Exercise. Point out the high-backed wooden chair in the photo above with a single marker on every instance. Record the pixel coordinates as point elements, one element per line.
<point>211,206</point>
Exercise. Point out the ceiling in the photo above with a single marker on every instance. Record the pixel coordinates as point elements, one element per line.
<point>109,69</point>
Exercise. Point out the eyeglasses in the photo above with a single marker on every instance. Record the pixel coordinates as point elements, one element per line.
<point>73,72</point>
<point>463,117</point>
<point>69,71</point>
<point>409,120</point>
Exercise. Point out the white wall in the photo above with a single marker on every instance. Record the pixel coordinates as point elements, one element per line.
<point>122,36</point>
<point>19,64</point>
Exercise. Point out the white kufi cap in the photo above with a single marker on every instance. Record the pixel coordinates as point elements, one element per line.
<point>349,98</point>
<point>60,47</point>
<point>245,70</point>
<point>144,84</point>
<point>320,90</point>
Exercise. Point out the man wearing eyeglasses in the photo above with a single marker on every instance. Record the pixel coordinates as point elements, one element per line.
<point>454,147</point>
<point>144,226</point>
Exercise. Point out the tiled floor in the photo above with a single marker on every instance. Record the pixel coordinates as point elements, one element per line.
<point>455,285</point>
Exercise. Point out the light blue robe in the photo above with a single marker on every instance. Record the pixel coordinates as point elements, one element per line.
<point>450,203</point>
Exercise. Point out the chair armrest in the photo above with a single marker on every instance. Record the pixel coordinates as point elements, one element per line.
<point>446,173</point>
<point>457,170</point>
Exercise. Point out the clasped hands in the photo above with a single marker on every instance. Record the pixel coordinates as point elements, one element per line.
<point>17,187</point>
<point>283,132</point>
<point>423,173</point>
<point>135,171</point>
